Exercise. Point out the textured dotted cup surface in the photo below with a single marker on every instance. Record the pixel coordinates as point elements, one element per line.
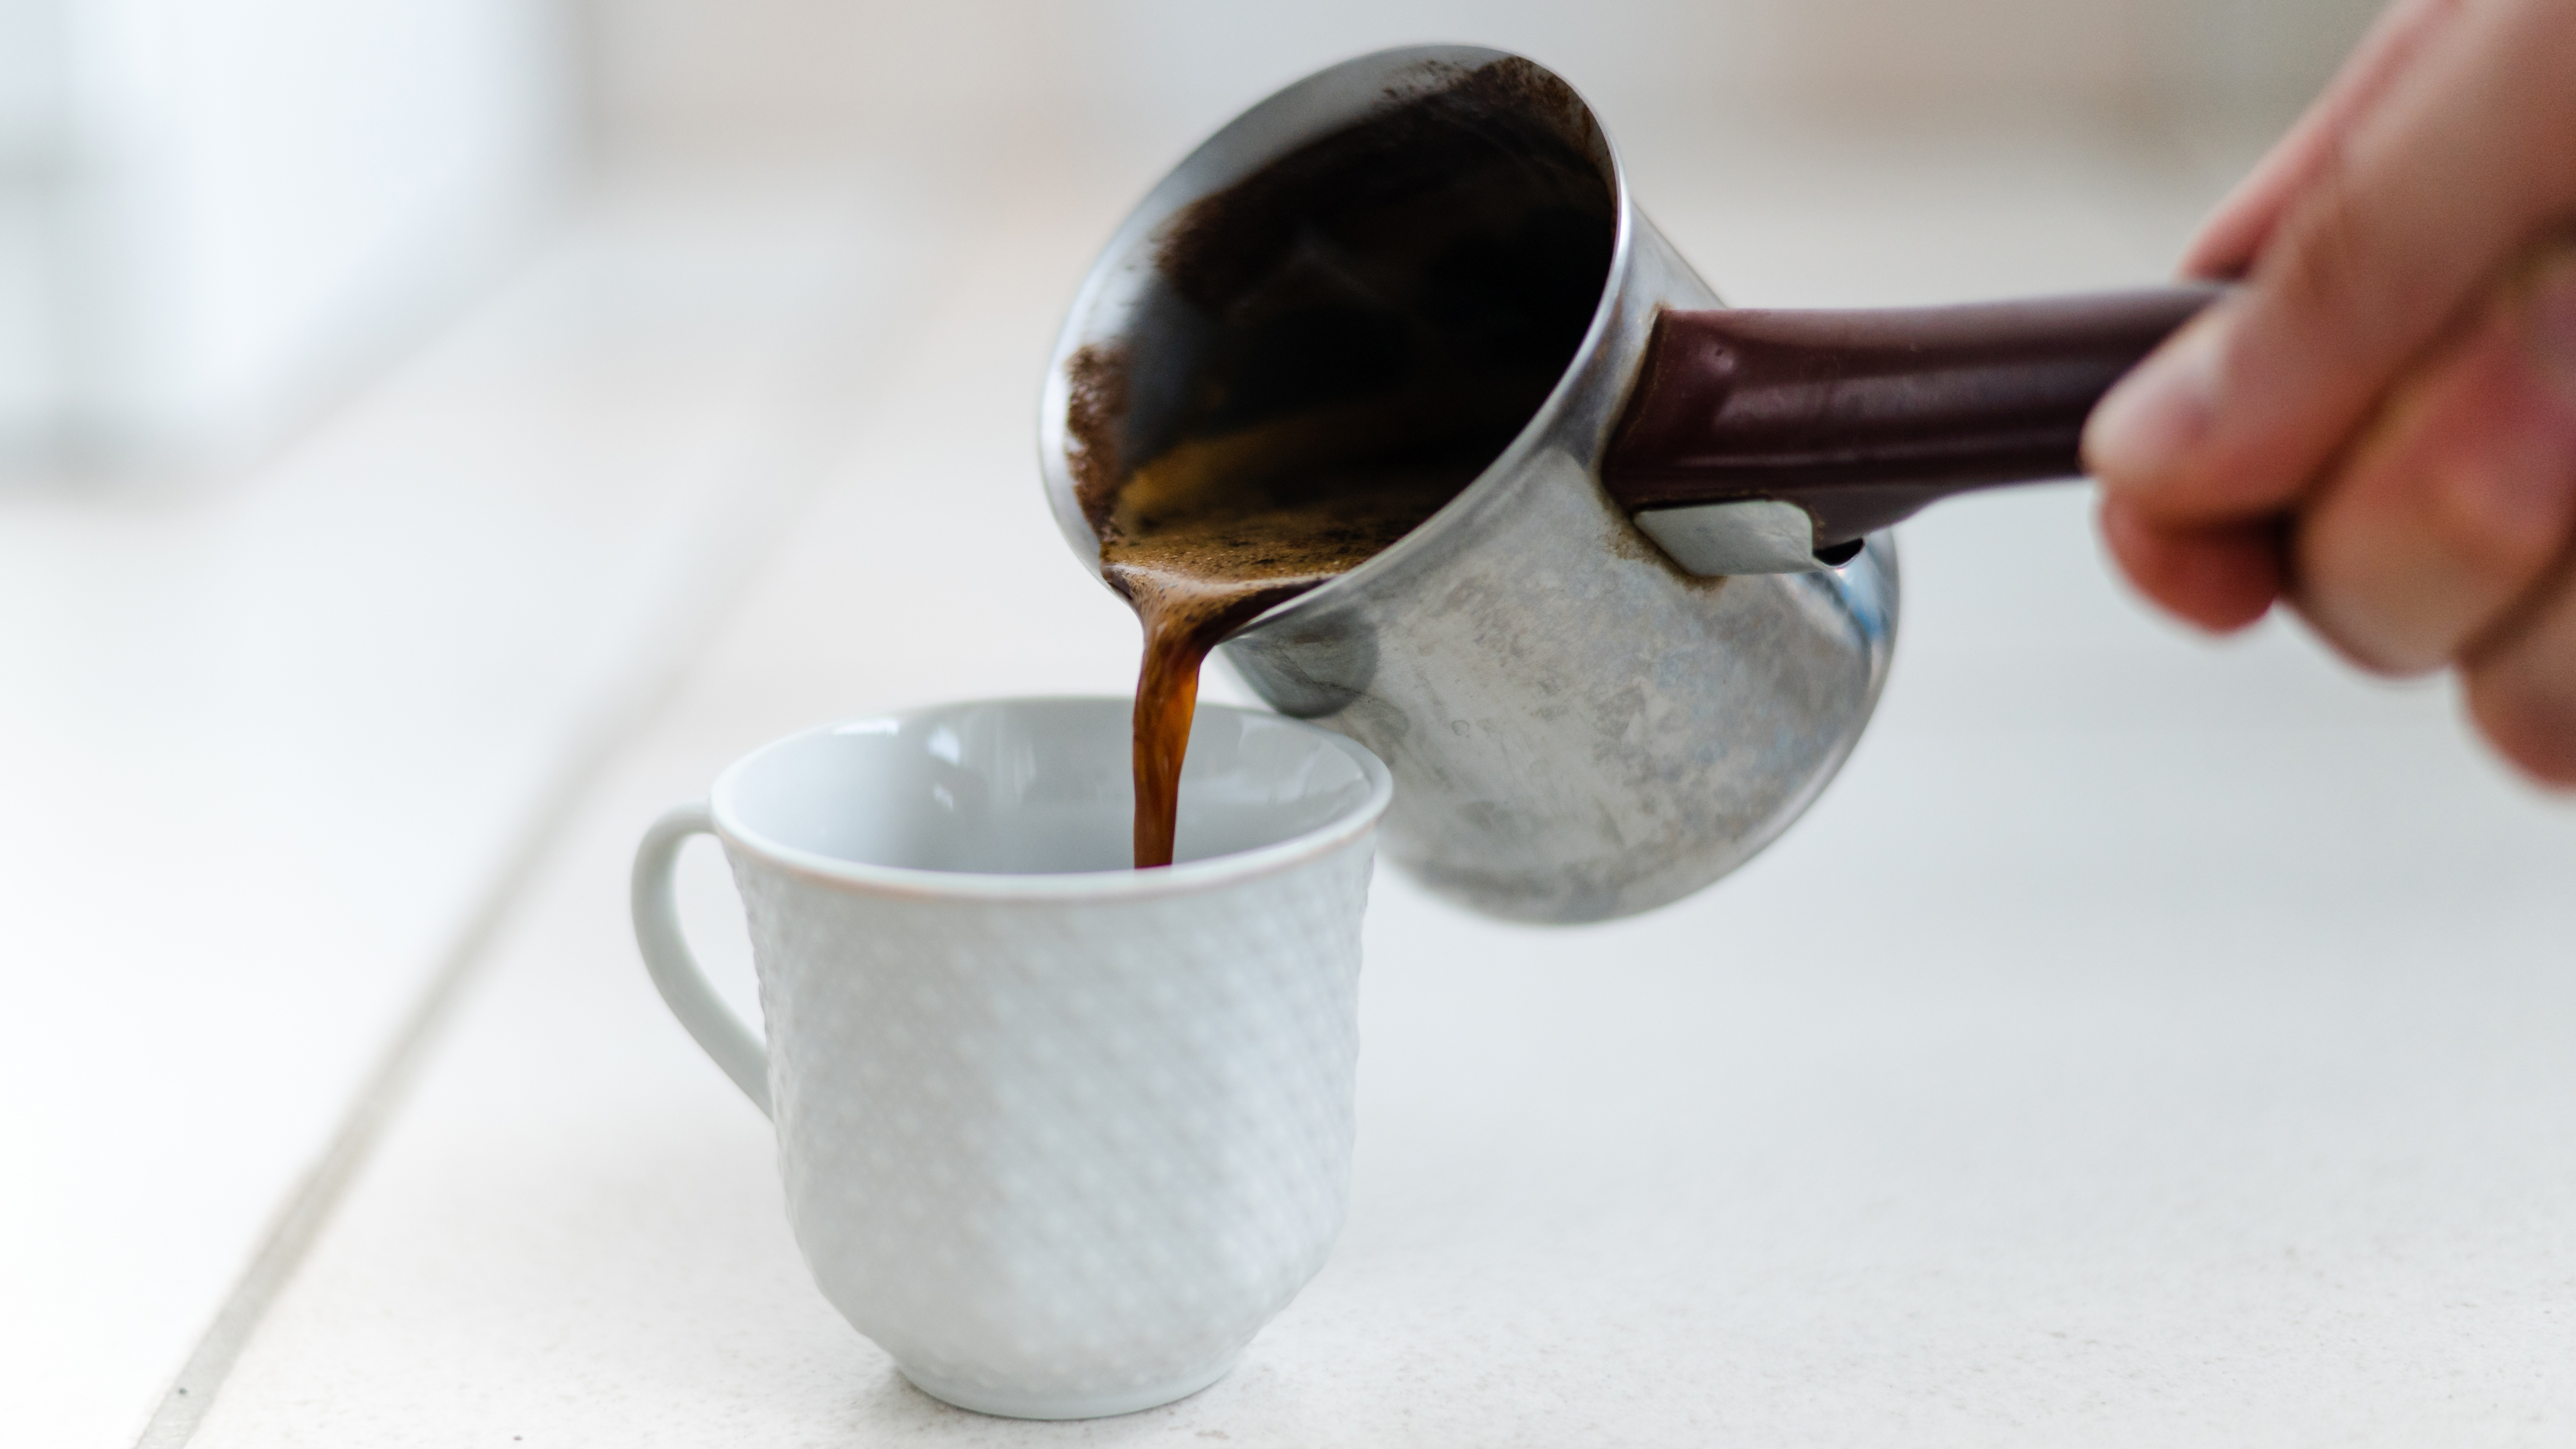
<point>1061,1139</point>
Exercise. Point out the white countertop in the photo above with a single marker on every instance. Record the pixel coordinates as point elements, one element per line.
<point>271,747</point>
<point>2144,1041</point>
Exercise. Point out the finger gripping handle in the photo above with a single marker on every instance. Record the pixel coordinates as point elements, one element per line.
<point>675,972</point>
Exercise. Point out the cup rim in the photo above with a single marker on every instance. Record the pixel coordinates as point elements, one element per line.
<point>1188,877</point>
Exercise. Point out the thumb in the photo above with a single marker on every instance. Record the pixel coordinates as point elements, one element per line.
<point>2393,232</point>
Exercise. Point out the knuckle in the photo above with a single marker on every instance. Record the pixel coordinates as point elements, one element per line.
<point>2525,672</point>
<point>2467,483</point>
<point>2501,462</point>
<point>2329,258</point>
<point>2478,521</point>
<point>2366,642</point>
<point>2370,613</point>
<point>2527,710</point>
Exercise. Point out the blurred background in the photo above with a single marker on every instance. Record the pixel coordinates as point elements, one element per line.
<point>217,218</point>
<point>437,434</point>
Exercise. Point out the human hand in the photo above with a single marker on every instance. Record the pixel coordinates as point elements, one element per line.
<point>2379,424</point>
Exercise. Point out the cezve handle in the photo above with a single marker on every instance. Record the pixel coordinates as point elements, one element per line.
<point>1860,418</point>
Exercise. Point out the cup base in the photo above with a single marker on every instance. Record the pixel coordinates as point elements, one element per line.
<point>1002,1403</point>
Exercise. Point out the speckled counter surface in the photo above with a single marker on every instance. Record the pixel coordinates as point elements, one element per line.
<point>2145,1041</point>
<point>269,744</point>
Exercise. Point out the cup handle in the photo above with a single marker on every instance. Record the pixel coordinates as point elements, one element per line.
<point>675,972</point>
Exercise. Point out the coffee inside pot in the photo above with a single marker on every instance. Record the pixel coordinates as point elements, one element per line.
<point>1338,345</point>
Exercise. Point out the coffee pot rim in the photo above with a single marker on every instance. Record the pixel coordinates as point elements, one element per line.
<point>1319,104</point>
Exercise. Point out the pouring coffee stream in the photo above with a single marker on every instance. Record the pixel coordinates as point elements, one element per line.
<point>1353,333</point>
<point>1381,389</point>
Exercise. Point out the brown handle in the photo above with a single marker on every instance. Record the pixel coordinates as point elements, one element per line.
<point>1863,417</point>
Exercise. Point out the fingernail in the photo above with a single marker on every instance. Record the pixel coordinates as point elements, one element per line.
<point>2159,412</point>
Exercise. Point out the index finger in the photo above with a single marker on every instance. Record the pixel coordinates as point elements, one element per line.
<point>2236,232</point>
<point>2463,162</point>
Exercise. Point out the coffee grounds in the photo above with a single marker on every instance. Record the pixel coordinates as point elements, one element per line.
<point>1345,340</point>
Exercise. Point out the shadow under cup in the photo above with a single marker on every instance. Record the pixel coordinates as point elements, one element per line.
<point>1059,1135</point>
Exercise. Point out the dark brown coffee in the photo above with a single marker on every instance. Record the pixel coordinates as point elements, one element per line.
<point>1337,346</point>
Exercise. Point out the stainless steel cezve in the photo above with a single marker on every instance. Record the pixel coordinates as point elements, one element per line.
<point>1578,728</point>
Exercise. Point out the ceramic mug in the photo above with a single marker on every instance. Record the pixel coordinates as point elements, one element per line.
<point>1059,1135</point>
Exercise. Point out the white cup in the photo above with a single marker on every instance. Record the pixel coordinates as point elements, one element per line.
<point>1059,1135</point>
